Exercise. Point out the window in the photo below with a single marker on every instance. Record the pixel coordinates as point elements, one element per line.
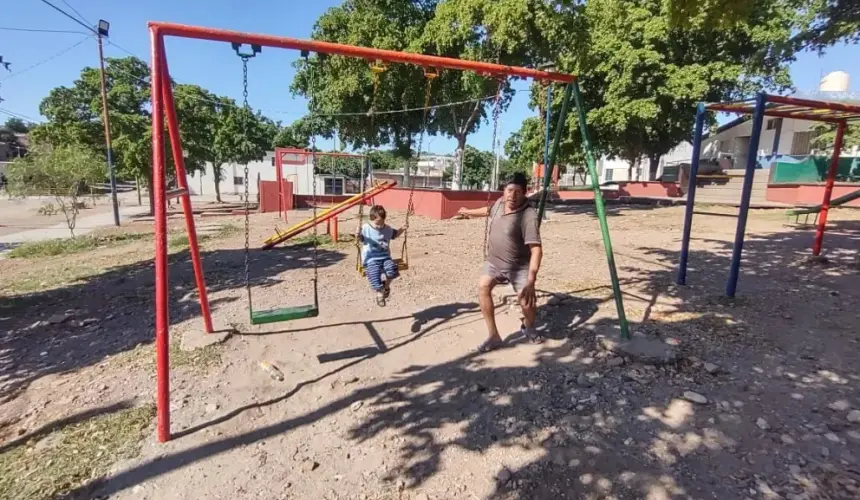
<point>608,173</point>
<point>238,181</point>
<point>333,185</point>
<point>273,161</point>
<point>800,143</point>
<point>771,124</point>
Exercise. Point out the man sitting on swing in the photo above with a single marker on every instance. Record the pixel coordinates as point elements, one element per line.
<point>513,256</point>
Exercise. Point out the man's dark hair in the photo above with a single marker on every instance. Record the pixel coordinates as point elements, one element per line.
<point>519,179</point>
<point>377,212</point>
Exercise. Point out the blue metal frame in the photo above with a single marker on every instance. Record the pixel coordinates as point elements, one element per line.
<point>752,160</point>
<point>691,193</point>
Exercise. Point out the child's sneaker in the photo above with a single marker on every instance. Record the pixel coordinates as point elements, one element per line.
<point>386,289</point>
<point>380,298</point>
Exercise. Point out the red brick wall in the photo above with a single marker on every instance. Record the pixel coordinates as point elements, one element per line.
<point>269,201</point>
<point>808,194</point>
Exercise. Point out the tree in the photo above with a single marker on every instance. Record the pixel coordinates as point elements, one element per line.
<point>825,137</point>
<point>241,136</point>
<point>641,75</point>
<point>827,22</point>
<point>335,84</point>
<point>63,172</point>
<point>477,166</point>
<point>75,115</point>
<point>295,135</point>
<point>18,125</point>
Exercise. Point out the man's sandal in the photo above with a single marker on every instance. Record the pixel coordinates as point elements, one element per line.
<point>490,345</point>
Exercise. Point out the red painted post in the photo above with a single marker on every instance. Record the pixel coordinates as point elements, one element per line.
<point>162,339</point>
<point>182,182</point>
<point>828,189</point>
<point>282,189</point>
<point>334,235</point>
<point>328,227</point>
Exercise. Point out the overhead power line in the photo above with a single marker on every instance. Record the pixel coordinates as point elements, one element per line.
<point>73,18</point>
<point>76,12</point>
<point>19,115</point>
<point>48,59</point>
<point>38,30</point>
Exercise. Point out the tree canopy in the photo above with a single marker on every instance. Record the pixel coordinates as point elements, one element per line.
<point>17,125</point>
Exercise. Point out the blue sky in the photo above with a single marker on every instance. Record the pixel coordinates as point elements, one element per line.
<point>215,67</point>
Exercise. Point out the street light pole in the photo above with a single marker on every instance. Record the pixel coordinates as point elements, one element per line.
<point>102,30</point>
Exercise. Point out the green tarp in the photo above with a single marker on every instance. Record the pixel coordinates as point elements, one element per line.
<point>814,169</point>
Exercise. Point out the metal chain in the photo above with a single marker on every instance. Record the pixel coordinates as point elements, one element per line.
<point>247,197</point>
<point>497,109</point>
<point>314,175</point>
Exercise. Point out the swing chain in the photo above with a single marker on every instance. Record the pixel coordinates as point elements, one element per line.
<point>247,200</point>
<point>497,109</point>
<point>428,88</point>
<point>313,172</point>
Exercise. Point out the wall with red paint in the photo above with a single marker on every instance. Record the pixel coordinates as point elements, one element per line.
<point>809,194</point>
<point>629,189</point>
<point>269,201</point>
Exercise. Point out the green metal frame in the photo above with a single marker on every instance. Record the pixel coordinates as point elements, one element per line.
<point>600,207</point>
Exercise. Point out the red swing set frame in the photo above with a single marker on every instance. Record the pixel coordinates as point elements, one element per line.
<point>163,108</point>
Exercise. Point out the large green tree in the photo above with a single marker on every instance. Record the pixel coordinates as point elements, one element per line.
<point>338,85</point>
<point>641,73</point>
<point>240,136</point>
<point>17,125</point>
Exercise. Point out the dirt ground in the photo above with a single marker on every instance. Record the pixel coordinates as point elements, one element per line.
<point>392,403</point>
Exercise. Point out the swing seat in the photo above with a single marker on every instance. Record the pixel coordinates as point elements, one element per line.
<point>402,265</point>
<point>284,314</point>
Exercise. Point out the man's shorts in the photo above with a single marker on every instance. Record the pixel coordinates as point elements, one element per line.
<point>517,277</point>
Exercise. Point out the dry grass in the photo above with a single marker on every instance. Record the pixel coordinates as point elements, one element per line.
<point>69,457</point>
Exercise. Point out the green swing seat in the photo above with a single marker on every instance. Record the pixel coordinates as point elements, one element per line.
<point>284,314</point>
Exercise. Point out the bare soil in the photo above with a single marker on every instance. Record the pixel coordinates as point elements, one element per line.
<point>392,403</point>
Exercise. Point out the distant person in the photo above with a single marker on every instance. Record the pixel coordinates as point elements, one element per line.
<point>514,255</point>
<point>375,239</point>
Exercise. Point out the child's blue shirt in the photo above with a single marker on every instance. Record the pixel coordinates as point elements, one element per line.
<point>375,243</point>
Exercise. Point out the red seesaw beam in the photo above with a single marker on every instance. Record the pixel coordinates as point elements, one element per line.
<point>159,29</point>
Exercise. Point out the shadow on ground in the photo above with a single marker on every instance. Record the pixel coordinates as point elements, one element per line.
<point>599,426</point>
<point>121,310</point>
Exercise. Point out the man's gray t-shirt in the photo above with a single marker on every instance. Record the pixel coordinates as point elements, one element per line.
<point>510,236</point>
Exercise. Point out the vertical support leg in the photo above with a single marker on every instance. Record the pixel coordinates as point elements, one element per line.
<point>828,189</point>
<point>556,142</point>
<point>334,235</point>
<point>162,339</point>
<point>182,183</point>
<point>746,193</point>
<point>599,207</point>
<point>547,121</point>
<point>691,194</point>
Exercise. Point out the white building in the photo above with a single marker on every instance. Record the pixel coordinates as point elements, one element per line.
<point>297,169</point>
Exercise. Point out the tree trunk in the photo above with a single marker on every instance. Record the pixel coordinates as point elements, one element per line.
<point>149,183</point>
<point>457,179</point>
<point>217,173</point>
<point>653,167</point>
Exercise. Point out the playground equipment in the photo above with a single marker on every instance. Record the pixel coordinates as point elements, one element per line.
<point>296,158</point>
<point>816,209</point>
<point>163,108</point>
<point>327,214</point>
<point>282,313</point>
<point>763,105</point>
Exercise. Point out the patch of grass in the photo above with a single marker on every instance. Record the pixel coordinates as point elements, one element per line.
<point>323,240</point>
<point>65,246</point>
<point>180,240</point>
<point>143,356</point>
<point>73,455</point>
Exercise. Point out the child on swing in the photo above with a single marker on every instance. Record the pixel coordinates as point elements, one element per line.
<point>375,239</point>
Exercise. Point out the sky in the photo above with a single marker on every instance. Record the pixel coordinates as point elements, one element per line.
<point>42,61</point>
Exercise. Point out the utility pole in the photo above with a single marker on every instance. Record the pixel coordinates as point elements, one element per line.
<point>102,31</point>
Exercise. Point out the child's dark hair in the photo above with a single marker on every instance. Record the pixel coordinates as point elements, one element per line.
<point>377,212</point>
